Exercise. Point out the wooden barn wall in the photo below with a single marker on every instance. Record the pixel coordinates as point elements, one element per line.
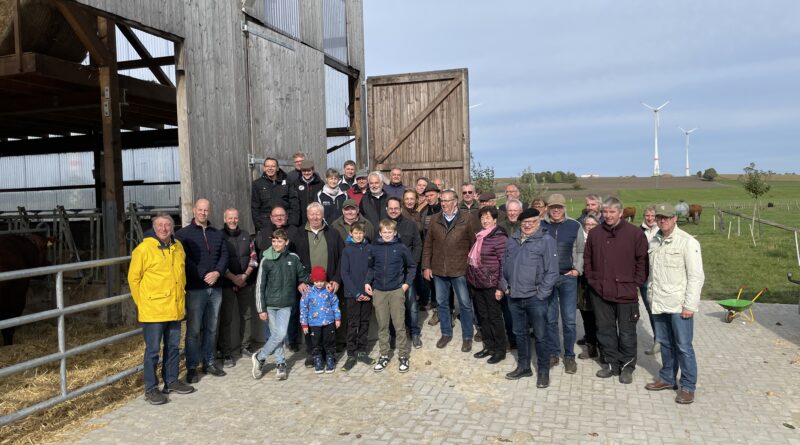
<point>355,35</point>
<point>290,118</point>
<point>441,140</point>
<point>311,23</point>
<point>287,91</point>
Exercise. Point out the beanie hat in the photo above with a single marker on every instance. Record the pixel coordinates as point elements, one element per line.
<point>318,274</point>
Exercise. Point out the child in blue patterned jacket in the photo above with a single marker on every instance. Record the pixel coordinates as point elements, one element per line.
<point>320,317</point>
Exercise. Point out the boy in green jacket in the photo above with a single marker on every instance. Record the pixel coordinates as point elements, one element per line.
<point>281,274</point>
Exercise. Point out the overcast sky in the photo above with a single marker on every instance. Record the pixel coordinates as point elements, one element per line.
<point>560,83</point>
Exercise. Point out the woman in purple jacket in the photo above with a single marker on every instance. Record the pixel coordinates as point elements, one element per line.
<point>483,276</point>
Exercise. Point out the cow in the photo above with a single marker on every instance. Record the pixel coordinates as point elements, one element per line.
<point>694,213</point>
<point>18,252</point>
<point>629,213</point>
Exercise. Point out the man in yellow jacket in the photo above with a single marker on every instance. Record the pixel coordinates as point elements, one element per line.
<point>157,280</point>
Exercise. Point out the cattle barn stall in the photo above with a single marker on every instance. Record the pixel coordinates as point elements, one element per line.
<point>249,83</point>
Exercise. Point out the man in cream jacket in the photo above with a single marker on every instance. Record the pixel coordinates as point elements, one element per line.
<point>676,279</point>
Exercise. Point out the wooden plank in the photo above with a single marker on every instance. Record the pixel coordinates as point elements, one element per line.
<point>74,144</point>
<point>428,76</point>
<point>441,165</point>
<point>311,24</point>
<point>418,120</point>
<point>143,53</point>
<point>341,67</point>
<point>17,36</point>
<point>145,63</point>
<point>466,158</point>
<point>84,31</point>
<point>335,132</point>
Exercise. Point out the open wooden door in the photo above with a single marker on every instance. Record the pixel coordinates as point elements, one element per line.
<point>420,123</point>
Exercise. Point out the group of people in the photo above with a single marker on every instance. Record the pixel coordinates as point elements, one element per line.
<point>328,254</point>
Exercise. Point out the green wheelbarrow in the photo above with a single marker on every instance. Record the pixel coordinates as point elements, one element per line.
<point>738,307</point>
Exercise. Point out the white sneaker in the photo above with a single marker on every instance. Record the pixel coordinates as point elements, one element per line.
<point>280,371</point>
<point>257,365</point>
<point>383,362</point>
<point>404,366</point>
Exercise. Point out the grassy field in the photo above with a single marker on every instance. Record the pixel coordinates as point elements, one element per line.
<point>729,262</point>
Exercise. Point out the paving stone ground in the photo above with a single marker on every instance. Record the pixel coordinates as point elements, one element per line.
<point>748,392</point>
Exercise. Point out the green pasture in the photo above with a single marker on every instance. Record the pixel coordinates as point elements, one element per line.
<point>731,262</point>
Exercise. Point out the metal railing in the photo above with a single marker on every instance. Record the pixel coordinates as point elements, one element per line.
<point>63,353</point>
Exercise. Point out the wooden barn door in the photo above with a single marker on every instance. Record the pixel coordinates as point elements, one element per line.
<point>420,123</point>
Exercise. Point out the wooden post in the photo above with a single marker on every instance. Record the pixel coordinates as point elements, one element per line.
<point>797,248</point>
<point>113,196</point>
<point>17,36</point>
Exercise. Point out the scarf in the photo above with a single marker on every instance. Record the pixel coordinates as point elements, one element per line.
<point>332,192</point>
<point>475,252</point>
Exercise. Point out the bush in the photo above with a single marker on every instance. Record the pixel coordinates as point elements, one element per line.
<point>710,174</point>
<point>482,177</point>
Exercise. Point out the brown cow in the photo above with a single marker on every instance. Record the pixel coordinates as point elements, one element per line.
<point>18,252</point>
<point>694,212</point>
<point>629,213</point>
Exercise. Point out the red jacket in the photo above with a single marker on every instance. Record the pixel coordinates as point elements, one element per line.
<point>615,261</point>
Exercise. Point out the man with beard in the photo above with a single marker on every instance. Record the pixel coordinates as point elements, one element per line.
<point>268,191</point>
<point>304,191</point>
<point>373,204</point>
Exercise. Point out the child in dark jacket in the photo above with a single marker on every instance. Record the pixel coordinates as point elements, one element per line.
<point>391,273</point>
<point>355,260</point>
<point>320,317</point>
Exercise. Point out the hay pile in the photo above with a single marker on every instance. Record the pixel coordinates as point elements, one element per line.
<point>44,30</point>
<point>25,389</point>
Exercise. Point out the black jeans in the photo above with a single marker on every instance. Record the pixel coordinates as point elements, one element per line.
<point>323,339</point>
<point>616,331</point>
<point>358,316</point>
<point>589,327</point>
<point>490,312</point>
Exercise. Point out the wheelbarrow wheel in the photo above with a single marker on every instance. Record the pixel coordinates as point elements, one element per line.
<point>730,316</point>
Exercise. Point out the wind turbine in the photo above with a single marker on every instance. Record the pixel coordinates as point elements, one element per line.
<point>687,133</point>
<point>656,167</point>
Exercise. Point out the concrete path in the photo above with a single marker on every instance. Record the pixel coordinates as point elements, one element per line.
<point>748,392</point>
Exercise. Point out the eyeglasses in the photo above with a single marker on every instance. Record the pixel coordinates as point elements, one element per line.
<point>468,192</point>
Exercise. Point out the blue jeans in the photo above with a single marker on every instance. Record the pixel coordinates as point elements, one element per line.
<point>564,300</point>
<point>459,285</point>
<point>202,317</point>
<point>675,336</point>
<point>277,323</point>
<point>170,332</point>
<point>530,312</point>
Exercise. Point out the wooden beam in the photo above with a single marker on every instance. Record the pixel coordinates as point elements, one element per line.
<point>17,36</point>
<point>146,63</point>
<point>84,143</point>
<point>406,132</point>
<point>341,67</point>
<point>140,49</point>
<point>422,165</point>
<point>51,104</point>
<point>85,32</point>
<point>338,132</point>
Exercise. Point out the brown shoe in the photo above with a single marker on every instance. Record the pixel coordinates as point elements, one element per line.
<point>591,352</point>
<point>434,318</point>
<point>478,337</point>
<point>466,346</point>
<point>443,341</point>
<point>658,385</point>
<point>684,397</point>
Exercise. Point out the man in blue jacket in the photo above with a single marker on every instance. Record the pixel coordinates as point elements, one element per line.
<point>530,269</point>
<point>206,262</point>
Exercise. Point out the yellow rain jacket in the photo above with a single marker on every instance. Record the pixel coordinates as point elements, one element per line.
<point>157,279</point>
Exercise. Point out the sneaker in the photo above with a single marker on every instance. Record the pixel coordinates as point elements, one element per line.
<point>155,397</point>
<point>280,371</point>
<point>178,387</point>
<point>570,367</point>
<point>258,364</point>
<point>191,376</point>
<point>404,366</point>
<point>228,362</point>
<point>383,362</point>
<point>349,363</point>
<point>626,376</point>
<point>684,397</point>
<point>330,365</point>
<point>434,318</point>
<point>319,368</point>
<point>213,370</point>
<point>364,358</point>
<point>416,341</point>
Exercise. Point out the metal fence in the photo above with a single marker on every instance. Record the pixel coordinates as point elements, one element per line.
<point>60,312</point>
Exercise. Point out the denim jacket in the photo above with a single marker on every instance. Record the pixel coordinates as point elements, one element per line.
<point>530,267</point>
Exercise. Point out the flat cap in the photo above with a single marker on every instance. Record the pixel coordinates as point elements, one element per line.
<point>665,209</point>
<point>556,199</point>
<point>363,173</point>
<point>530,212</point>
<point>307,164</point>
<point>431,187</point>
<point>486,196</point>
<point>349,203</point>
